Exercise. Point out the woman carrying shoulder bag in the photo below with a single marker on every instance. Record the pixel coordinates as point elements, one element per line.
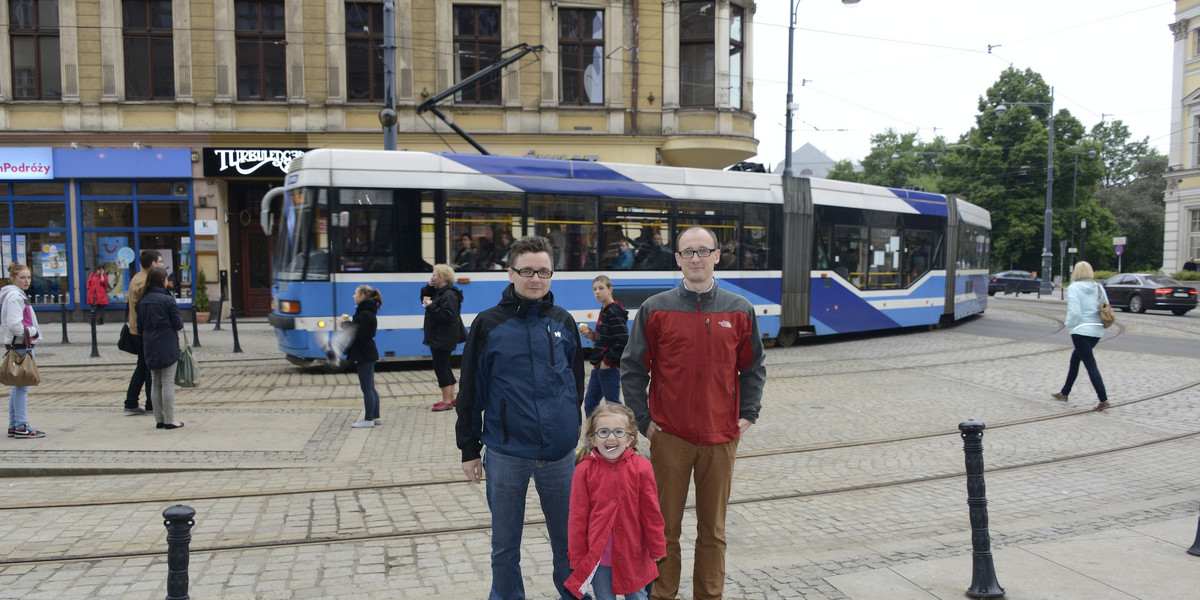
<point>159,322</point>
<point>1083,322</point>
<point>20,332</point>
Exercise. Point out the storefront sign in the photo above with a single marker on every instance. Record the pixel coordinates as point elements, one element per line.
<point>205,227</point>
<point>26,163</point>
<point>249,162</point>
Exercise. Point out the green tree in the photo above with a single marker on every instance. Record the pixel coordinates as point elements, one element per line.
<point>1138,207</point>
<point>896,160</point>
<point>1121,157</point>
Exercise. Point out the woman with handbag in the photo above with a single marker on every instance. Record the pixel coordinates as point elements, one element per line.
<point>1084,298</point>
<point>159,322</point>
<point>444,328</point>
<point>20,333</point>
<point>97,293</point>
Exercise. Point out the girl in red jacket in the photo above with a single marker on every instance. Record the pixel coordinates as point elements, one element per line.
<point>616,528</point>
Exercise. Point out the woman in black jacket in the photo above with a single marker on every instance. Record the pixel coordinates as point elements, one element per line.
<point>444,328</point>
<point>362,350</point>
<point>158,321</point>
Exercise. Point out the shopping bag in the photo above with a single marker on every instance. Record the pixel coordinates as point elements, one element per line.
<point>187,372</point>
<point>19,369</point>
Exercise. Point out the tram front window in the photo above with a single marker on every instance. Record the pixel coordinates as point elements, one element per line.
<point>302,251</point>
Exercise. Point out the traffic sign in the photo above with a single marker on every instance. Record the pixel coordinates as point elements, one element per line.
<point>1120,249</point>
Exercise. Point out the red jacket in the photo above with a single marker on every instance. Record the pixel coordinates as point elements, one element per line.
<point>97,289</point>
<point>618,499</point>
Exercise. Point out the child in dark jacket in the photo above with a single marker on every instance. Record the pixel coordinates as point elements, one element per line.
<point>362,351</point>
<point>615,532</point>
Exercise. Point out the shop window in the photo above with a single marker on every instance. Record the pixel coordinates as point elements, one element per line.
<point>39,188</point>
<point>569,222</point>
<point>476,46</point>
<point>260,35</point>
<point>116,213</point>
<point>33,35</point>
<point>168,213</point>
<point>364,52</point>
<point>149,50</point>
<point>39,214</point>
<point>581,56</point>
<point>106,188</point>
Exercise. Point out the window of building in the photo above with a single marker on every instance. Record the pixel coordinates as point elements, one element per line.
<point>736,53</point>
<point>1193,241</point>
<point>33,34</point>
<point>697,59</point>
<point>138,215</point>
<point>35,234</point>
<point>149,50</point>
<point>476,46</point>
<point>581,56</point>
<point>364,52</point>
<point>259,31</point>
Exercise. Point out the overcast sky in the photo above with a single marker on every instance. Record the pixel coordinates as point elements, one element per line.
<point>921,65</point>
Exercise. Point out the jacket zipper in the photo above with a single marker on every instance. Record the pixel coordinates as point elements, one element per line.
<point>550,343</point>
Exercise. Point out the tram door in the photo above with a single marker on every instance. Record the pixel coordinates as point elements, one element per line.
<point>250,274</point>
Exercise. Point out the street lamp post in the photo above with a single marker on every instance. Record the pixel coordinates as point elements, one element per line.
<point>1047,254</point>
<point>794,5</point>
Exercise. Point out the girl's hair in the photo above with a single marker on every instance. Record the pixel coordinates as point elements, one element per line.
<point>608,408</point>
<point>15,269</point>
<point>370,293</point>
<point>445,272</point>
<point>1083,270</point>
<point>157,277</point>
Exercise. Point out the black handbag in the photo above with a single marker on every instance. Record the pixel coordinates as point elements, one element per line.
<point>128,342</point>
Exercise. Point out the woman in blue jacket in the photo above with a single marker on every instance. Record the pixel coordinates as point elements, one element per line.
<point>1084,296</point>
<point>159,321</point>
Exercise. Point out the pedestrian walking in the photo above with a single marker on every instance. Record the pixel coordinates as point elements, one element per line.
<point>698,347</point>
<point>611,334</point>
<point>362,351</point>
<point>97,293</point>
<point>141,377</point>
<point>616,530</point>
<point>520,397</point>
<point>444,328</point>
<point>20,333</point>
<point>160,323</point>
<point>1084,296</point>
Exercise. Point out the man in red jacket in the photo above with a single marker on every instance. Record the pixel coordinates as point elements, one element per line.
<point>697,350</point>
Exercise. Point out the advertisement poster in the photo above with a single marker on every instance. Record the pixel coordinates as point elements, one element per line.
<point>54,261</point>
<point>109,258</point>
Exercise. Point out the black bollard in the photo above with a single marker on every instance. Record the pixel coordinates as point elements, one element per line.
<point>195,330</point>
<point>1195,549</point>
<point>95,348</point>
<point>233,325</point>
<point>178,521</point>
<point>217,320</point>
<point>983,576</point>
<point>62,315</point>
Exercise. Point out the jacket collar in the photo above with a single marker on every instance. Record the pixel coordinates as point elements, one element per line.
<point>525,307</point>
<point>625,457</point>
<point>691,296</point>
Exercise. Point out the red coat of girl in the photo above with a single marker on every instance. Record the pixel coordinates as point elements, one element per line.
<point>618,499</point>
<point>97,288</point>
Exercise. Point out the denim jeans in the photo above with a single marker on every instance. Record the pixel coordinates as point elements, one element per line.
<point>507,483</point>
<point>1083,353</point>
<point>602,586</point>
<point>18,400</point>
<point>366,382</point>
<point>603,382</point>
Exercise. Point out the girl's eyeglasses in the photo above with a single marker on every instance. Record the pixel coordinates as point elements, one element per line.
<point>604,432</point>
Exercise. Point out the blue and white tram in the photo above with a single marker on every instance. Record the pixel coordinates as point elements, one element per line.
<point>813,256</point>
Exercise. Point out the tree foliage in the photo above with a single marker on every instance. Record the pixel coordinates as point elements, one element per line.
<point>1139,208</point>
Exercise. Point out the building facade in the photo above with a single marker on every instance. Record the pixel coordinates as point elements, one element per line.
<point>1181,236</point>
<point>135,124</point>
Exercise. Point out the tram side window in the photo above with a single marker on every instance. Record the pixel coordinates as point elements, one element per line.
<point>569,222</point>
<point>761,238</point>
<point>722,218</point>
<point>366,230</point>
<point>632,226</point>
<point>918,254</point>
<point>848,250</point>
<point>974,247</point>
<point>488,222</point>
<point>884,255</point>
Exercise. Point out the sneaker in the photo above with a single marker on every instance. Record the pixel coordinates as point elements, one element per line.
<point>11,430</point>
<point>443,406</point>
<point>134,411</point>
<point>379,421</point>
<point>361,424</point>
<point>25,431</point>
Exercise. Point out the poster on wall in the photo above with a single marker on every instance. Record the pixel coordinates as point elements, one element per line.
<point>109,258</point>
<point>54,261</point>
<point>6,242</point>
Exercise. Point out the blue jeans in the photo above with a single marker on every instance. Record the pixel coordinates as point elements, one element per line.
<point>1083,353</point>
<point>18,400</point>
<point>366,382</point>
<point>507,482</point>
<point>602,586</point>
<point>606,382</point>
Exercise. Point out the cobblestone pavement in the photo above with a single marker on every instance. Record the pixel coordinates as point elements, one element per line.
<point>850,487</point>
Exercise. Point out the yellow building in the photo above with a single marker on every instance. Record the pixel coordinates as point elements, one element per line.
<point>1182,228</point>
<point>159,124</point>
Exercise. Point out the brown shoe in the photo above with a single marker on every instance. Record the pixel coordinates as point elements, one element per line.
<point>1058,396</point>
<point>1101,406</point>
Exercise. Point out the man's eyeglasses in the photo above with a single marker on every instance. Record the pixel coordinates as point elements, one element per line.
<point>542,273</point>
<point>604,432</point>
<point>703,252</point>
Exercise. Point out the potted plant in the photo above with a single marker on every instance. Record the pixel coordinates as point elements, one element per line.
<point>200,300</point>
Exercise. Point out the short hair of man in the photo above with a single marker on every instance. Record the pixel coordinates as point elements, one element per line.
<point>702,228</point>
<point>148,258</point>
<point>603,279</point>
<point>527,244</point>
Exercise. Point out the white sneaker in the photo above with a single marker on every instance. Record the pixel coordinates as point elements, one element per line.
<point>361,424</point>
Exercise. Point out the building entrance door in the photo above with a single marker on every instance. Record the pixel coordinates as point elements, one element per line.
<point>251,268</point>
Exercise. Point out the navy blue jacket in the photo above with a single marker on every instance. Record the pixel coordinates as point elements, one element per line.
<point>362,348</point>
<point>158,321</point>
<point>443,321</point>
<point>522,381</point>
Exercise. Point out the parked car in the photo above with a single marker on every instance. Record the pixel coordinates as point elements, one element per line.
<point>1013,282</point>
<point>1138,292</point>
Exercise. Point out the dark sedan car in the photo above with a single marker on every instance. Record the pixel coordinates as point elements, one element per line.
<point>1013,282</point>
<point>1138,292</point>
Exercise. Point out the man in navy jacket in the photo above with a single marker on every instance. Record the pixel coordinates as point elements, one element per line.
<point>520,397</point>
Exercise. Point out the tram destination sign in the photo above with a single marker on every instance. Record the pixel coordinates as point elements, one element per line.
<point>249,162</point>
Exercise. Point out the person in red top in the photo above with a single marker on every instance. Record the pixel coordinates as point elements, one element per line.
<point>615,530</point>
<point>97,293</point>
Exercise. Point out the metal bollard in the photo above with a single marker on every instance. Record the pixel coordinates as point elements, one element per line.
<point>233,324</point>
<point>217,321</point>
<point>62,316</point>
<point>95,348</point>
<point>178,520</point>
<point>983,576</point>
<point>195,330</point>
<point>1195,549</point>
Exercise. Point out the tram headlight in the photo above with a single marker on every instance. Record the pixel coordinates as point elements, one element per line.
<point>289,307</point>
